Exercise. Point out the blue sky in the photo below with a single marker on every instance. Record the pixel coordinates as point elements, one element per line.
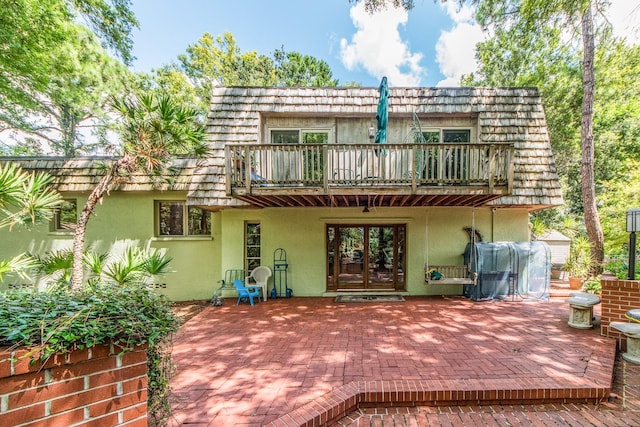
<point>431,45</point>
<point>357,46</point>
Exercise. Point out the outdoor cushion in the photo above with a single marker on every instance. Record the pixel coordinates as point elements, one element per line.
<point>633,315</point>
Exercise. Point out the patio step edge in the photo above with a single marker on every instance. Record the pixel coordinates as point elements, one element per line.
<point>351,397</point>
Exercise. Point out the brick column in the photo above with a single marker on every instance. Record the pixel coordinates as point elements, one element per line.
<point>91,387</point>
<point>618,297</point>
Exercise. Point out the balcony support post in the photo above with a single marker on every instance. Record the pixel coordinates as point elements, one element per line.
<point>492,167</point>
<point>247,169</point>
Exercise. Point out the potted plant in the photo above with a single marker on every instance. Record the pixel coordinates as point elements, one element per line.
<point>579,263</point>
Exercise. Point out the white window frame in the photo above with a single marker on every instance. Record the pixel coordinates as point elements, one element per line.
<point>290,166</point>
<point>250,260</point>
<point>301,131</point>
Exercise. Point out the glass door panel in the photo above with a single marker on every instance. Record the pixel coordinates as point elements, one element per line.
<point>381,256</point>
<point>351,245</point>
<point>285,162</point>
<point>366,257</point>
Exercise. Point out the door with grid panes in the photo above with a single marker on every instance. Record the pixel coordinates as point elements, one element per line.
<point>252,254</point>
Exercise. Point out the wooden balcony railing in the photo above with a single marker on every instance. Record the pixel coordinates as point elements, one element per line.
<point>325,167</point>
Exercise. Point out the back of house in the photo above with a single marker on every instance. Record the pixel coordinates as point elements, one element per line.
<point>296,182</point>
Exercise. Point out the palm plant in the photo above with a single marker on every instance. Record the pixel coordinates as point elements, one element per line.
<point>153,129</point>
<point>55,267</point>
<point>580,262</point>
<point>134,267</point>
<point>25,199</point>
<point>19,264</point>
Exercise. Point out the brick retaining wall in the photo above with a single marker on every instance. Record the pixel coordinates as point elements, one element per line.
<point>91,387</point>
<point>618,297</point>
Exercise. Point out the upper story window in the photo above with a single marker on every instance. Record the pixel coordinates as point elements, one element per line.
<point>285,136</point>
<point>65,217</point>
<point>175,218</point>
<point>298,136</point>
<point>447,135</point>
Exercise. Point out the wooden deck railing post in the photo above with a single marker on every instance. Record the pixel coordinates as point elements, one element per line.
<point>414,169</point>
<point>325,168</point>
<point>247,169</point>
<point>492,165</point>
<point>229,172</point>
<point>349,166</point>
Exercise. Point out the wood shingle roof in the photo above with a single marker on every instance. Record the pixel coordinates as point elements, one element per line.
<point>513,115</point>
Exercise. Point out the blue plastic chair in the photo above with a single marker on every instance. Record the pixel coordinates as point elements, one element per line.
<point>246,292</point>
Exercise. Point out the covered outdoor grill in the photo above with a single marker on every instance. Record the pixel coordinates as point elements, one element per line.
<point>509,270</point>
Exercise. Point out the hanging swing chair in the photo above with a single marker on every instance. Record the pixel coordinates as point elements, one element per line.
<point>454,274</point>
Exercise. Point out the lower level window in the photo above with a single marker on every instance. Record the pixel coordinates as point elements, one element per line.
<point>65,216</point>
<point>175,218</point>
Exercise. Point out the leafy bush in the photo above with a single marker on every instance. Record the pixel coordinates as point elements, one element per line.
<point>620,269</point>
<point>592,285</point>
<point>133,266</point>
<point>61,320</point>
<point>579,263</point>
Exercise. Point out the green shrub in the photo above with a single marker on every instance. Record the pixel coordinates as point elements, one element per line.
<point>592,285</point>
<point>61,320</point>
<point>620,269</point>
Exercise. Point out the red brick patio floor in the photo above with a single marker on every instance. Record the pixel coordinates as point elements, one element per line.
<point>424,361</point>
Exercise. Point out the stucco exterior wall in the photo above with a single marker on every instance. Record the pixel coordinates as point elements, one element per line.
<point>301,232</point>
<point>126,219</point>
<point>123,220</point>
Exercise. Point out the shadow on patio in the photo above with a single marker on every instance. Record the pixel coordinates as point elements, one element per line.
<point>298,360</point>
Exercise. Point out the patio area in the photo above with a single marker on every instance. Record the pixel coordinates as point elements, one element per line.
<point>313,361</point>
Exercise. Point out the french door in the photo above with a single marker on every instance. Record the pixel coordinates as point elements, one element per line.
<point>366,257</point>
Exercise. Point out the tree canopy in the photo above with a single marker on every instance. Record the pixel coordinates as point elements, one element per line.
<point>376,5</point>
<point>214,61</point>
<point>153,129</point>
<point>48,59</point>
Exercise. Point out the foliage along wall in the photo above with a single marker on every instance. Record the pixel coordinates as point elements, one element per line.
<point>123,220</point>
<point>126,219</point>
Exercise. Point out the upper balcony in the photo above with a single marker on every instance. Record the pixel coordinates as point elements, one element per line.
<point>368,175</point>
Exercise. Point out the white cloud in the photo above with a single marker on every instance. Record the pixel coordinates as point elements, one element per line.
<point>377,46</point>
<point>624,15</point>
<point>456,48</point>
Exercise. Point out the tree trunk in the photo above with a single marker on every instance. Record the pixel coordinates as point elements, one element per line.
<point>591,218</point>
<point>81,228</point>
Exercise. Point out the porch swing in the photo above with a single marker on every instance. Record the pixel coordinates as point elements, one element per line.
<point>453,274</point>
